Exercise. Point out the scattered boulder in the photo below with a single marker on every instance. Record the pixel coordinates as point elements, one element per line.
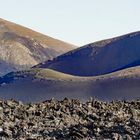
<point>70,119</point>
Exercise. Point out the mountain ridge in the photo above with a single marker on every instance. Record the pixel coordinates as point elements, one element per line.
<point>98,58</point>
<point>17,28</point>
<point>22,48</point>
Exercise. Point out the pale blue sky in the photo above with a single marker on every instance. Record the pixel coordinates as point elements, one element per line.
<point>75,21</point>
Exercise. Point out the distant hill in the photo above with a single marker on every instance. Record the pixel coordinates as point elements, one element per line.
<point>41,84</point>
<point>99,58</point>
<point>107,70</point>
<point>22,48</point>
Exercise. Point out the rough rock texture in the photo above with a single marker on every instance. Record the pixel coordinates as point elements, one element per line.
<point>70,120</point>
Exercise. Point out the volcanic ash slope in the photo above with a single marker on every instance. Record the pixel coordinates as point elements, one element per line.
<point>40,84</point>
<point>100,57</point>
<point>22,48</point>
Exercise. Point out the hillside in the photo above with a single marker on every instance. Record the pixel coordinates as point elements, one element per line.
<point>107,70</point>
<point>43,84</point>
<point>99,58</point>
<point>22,48</point>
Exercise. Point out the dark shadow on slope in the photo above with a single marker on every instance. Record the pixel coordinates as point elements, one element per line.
<point>134,64</point>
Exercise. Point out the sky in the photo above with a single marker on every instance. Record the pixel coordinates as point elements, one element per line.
<point>75,21</point>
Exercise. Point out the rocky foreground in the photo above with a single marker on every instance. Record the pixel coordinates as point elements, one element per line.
<point>70,120</point>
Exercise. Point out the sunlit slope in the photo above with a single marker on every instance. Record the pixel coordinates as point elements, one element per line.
<point>22,48</point>
<point>41,84</point>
